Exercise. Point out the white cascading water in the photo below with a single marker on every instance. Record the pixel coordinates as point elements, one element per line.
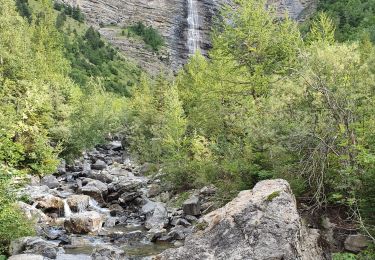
<point>193,30</point>
<point>67,211</point>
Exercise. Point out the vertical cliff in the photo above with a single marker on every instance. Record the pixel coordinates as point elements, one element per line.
<point>170,18</point>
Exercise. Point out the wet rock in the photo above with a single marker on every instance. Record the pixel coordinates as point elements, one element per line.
<point>111,222</point>
<point>27,257</point>
<point>95,189</point>
<point>192,206</point>
<point>129,196</point>
<point>116,210</point>
<point>356,243</point>
<point>50,181</point>
<point>99,165</point>
<point>78,203</point>
<point>106,252</point>
<point>48,202</point>
<point>33,213</point>
<point>83,223</point>
<point>35,245</point>
<point>262,223</point>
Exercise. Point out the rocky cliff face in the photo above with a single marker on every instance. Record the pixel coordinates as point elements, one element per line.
<point>170,18</point>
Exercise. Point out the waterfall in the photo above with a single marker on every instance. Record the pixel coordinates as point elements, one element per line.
<point>67,211</point>
<point>95,206</point>
<point>193,29</point>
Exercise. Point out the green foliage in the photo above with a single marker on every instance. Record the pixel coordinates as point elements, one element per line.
<point>149,35</point>
<point>74,12</point>
<point>13,224</point>
<point>354,19</point>
<point>90,57</point>
<point>266,104</point>
<point>96,113</point>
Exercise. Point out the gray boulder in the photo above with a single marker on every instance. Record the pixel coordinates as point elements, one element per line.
<point>35,245</point>
<point>258,224</point>
<point>84,223</point>
<point>192,206</point>
<point>50,181</point>
<point>156,215</point>
<point>107,252</point>
<point>99,165</point>
<point>78,203</point>
<point>95,189</point>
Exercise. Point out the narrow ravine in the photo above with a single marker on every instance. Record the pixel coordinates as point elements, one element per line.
<point>193,27</point>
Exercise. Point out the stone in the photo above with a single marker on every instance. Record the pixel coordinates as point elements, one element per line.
<point>84,223</point>
<point>356,243</point>
<point>107,252</point>
<point>192,206</point>
<point>191,218</point>
<point>78,203</point>
<point>156,215</point>
<point>50,181</point>
<point>33,213</point>
<point>154,190</point>
<point>95,189</point>
<point>110,222</point>
<point>258,224</point>
<point>61,169</point>
<point>99,165</point>
<point>129,196</point>
<point>208,191</point>
<point>34,245</point>
<point>73,257</point>
<point>27,257</point>
<point>179,232</point>
<point>48,202</point>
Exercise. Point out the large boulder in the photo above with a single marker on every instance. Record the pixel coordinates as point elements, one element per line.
<point>156,215</point>
<point>95,189</point>
<point>33,213</point>
<point>78,203</point>
<point>192,206</point>
<point>262,223</point>
<point>49,202</point>
<point>35,245</point>
<point>107,252</point>
<point>50,181</point>
<point>84,223</point>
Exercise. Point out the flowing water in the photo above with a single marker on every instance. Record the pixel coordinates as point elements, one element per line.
<point>193,29</point>
<point>67,211</point>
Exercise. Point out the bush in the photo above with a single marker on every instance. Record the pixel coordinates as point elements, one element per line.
<point>149,35</point>
<point>13,224</point>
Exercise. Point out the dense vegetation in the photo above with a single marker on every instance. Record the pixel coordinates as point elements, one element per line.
<point>43,113</point>
<point>353,19</point>
<point>268,103</point>
<point>149,35</point>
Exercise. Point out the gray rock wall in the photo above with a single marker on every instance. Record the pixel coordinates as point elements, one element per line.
<point>170,18</point>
